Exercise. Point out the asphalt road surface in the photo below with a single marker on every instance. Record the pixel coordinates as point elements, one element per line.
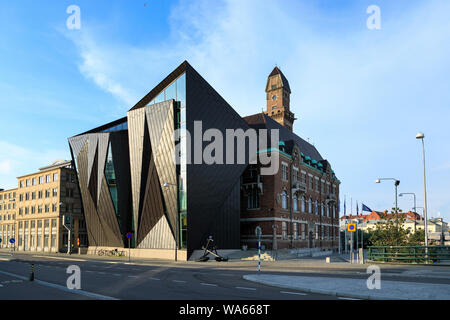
<point>122,281</point>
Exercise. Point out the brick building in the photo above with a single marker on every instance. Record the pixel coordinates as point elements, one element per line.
<point>297,207</point>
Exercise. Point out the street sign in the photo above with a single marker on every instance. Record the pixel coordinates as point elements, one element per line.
<point>12,240</point>
<point>351,227</point>
<point>67,221</point>
<point>129,235</point>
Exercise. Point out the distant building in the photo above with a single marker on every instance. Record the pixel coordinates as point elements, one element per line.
<point>8,212</point>
<point>42,198</point>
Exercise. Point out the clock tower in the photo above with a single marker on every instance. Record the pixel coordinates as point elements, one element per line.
<point>278,95</point>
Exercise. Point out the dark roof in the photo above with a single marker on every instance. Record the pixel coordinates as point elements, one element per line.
<point>161,86</point>
<point>276,71</point>
<point>263,121</point>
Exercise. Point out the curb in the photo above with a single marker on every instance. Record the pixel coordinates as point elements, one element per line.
<point>318,291</point>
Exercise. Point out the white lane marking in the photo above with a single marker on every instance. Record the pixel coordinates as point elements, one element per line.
<point>1,285</point>
<point>17,281</point>
<point>133,277</point>
<point>297,293</point>
<point>62,288</point>
<point>59,258</point>
<point>180,281</point>
<point>6,281</point>
<point>245,288</point>
<point>343,298</point>
<point>208,284</point>
<point>156,279</point>
<point>116,274</point>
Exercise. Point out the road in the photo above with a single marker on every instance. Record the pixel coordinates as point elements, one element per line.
<point>125,282</point>
<point>174,281</point>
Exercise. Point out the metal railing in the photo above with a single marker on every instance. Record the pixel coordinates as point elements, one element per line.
<point>409,254</point>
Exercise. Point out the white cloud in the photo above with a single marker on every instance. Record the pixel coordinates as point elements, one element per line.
<point>16,161</point>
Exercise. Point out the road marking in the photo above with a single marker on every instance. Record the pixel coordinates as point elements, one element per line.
<point>116,274</point>
<point>297,293</point>
<point>343,298</point>
<point>62,288</point>
<point>133,277</point>
<point>180,281</point>
<point>59,258</point>
<point>208,284</point>
<point>156,279</point>
<point>6,281</point>
<point>245,288</point>
<point>17,281</point>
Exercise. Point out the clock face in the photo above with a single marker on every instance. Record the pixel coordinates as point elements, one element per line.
<point>274,98</point>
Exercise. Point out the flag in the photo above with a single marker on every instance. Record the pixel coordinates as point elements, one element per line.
<point>365,208</point>
<point>345,209</point>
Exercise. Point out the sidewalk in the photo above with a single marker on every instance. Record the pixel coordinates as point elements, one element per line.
<point>356,288</point>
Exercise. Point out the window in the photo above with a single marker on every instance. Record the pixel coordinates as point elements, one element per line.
<point>295,231</point>
<point>33,210</point>
<point>28,182</point>
<point>317,184</point>
<point>69,193</point>
<point>41,180</point>
<point>253,199</point>
<point>26,210</point>
<point>311,184</point>
<point>39,194</point>
<point>316,205</point>
<point>284,200</point>
<point>284,230</point>
<point>328,210</point>
<point>55,177</point>
<point>40,209</point>
<point>321,209</point>
<point>34,181</point>
<point>54,208</point>
<point>47,208</point>
<point>309,205</point>
<point>284,171</point>
<point>21,184</point>
<point>55,192</point>
<point>47,193</point>
<point>47,178</point>
<point>294,203</point>
<point>27,196</point>
<point>33,196</point>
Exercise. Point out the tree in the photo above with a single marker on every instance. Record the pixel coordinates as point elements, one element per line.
<point>417,238</point>
<point>390,233</point>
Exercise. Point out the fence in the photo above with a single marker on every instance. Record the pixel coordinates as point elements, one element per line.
<point>409,254</point>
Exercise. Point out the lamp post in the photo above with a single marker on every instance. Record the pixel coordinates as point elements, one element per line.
<point>412,193</point>
<point>421,136</point>
<point>396,183</point>
<point>69,230</point>
<point>177,229</point>
<point>415,209</point>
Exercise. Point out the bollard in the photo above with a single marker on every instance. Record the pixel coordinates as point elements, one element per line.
<point>32,273</point>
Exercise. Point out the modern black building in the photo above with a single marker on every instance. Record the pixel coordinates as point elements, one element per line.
<point>129,180</point>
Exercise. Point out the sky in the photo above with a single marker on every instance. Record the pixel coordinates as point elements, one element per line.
<point>360,95</point>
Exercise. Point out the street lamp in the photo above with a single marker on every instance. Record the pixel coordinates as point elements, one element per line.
<point>177,229</point>
<point>69,229</point>
<point>397,182</point>
<point>412,193</point>
<point>415,209</point>
<point>421,136</point>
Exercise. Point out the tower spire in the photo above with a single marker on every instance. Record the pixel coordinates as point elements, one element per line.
<point>278,94</point>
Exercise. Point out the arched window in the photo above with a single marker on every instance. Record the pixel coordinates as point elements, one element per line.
<point>303,204</point>
<point>310,205</point>
<point>321,209</point>
<point>328,210</point>
<point>317,207</point>
<point>294,203</point>
<point>284,200</point>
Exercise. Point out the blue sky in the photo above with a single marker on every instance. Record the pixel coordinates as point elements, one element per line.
<point>359,95</point>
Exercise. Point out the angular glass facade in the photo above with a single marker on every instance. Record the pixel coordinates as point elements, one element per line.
<point>110,176</point>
